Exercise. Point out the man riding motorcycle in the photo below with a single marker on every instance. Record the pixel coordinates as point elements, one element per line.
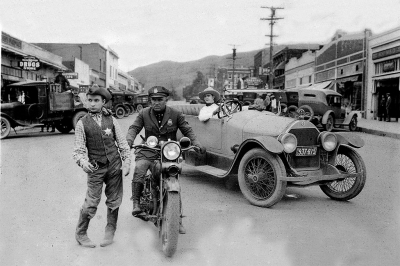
<point>163,122</point>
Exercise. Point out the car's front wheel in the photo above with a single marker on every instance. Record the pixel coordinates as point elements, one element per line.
<point>347,161</point>
<point>353,124</point>
<point>120,112</point>
<point>330,122</point>
<point>259,177</point>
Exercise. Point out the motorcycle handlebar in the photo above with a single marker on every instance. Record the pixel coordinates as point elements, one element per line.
<point>157,149</point>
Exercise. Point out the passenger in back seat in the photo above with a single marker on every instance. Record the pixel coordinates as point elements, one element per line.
<point>211,109</point>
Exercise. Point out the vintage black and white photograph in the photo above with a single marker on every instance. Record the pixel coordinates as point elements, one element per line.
<point>262,132</point>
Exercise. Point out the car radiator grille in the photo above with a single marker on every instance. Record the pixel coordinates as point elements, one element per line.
<point>306,137</point>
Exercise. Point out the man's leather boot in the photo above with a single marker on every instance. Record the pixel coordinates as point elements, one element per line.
<point>137,189</point>
<point>81,231</point>
<point>112,218</point>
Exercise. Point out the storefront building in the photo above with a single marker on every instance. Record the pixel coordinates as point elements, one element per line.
<point>112,81</point>
<point>92,54</point>
<point>299,72</point>
<point>342,62</point>
<point>384,73</point>
<point>22,61</point>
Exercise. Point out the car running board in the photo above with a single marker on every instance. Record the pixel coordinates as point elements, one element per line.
<point>209,170</point>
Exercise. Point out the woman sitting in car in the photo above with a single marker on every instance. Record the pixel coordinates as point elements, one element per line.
<point>211,109</point>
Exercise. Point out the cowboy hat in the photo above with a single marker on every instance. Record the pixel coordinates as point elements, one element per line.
<point>211,91</point>
<point>96,90</point>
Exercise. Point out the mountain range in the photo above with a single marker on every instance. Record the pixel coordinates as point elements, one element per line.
<point>177,75</point>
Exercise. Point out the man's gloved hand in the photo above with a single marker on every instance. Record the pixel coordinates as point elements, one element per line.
<point>87,167</point>
<point>126,168</point>
<point>200,149</point>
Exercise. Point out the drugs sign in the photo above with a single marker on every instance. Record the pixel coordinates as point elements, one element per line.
<point>29,63</point>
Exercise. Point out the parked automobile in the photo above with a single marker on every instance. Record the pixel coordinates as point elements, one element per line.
<point>324,107</point>
<point>141,101</point>
<point>130,101</point>
<point>266,153</point>
<point>118,104</point>
<point>32,103</point>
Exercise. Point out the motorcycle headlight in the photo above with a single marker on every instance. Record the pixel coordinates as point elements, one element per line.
<point>289,142</point>
<point>171,151</point>
<point>328,141</point>
<point>152,141</point>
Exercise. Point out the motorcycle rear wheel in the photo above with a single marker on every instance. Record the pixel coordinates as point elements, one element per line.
<point>170,224</point>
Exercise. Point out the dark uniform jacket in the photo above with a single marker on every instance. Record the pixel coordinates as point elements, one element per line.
<point>172,121</point>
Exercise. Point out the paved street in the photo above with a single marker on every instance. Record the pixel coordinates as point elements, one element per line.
<point>42,191</point>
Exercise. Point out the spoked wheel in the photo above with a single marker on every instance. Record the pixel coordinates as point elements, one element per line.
<point>347,161</point>
<point>170,224</point>
<point>306,112</point>
<point>330,122</point>
<point>260,177</point>
<point>5,127</point>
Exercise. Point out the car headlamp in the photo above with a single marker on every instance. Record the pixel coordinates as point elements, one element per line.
<point>171,151</point>
<point>328,141</point>
<point>152,141</point>
<point>289,142</point>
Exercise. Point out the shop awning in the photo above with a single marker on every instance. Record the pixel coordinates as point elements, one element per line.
<point>281,65</point>
<point>347,79</point>
<point>392,76</point>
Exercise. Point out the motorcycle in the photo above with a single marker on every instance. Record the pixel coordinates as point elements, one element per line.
<point>160,199</point>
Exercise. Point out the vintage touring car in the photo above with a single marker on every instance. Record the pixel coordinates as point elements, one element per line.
<point>267,152</point>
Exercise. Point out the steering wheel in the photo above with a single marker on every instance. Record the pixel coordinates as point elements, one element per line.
<point>229,107</point>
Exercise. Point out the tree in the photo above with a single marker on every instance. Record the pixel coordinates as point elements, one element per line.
<point>198,85</point>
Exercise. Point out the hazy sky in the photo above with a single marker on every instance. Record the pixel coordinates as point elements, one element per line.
<point>149,31</point>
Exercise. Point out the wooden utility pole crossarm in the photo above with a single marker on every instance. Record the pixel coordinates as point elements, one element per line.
<point>272,20</point>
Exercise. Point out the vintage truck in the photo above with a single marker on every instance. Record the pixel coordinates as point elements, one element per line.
<point>34,103</point>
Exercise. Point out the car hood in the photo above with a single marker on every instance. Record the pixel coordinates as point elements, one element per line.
<point>257,123</point>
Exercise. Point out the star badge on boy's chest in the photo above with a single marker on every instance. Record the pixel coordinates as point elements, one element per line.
<point>107,131</point>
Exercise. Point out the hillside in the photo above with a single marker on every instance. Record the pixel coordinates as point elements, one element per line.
<point>178,75</point>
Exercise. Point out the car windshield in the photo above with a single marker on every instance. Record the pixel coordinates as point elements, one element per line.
<point>333,100</point>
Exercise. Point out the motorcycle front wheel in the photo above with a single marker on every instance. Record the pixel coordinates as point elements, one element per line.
<point>170,224</point>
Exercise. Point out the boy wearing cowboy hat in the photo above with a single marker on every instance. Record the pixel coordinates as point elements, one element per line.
<point>210,96</point>
<point>96,151</point>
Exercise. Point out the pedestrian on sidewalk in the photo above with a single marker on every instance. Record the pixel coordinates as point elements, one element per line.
<point>99,147</point>
<point>388,104</point>
<point>382,109</point>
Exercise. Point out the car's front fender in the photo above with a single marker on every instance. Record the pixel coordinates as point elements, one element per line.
<point>326,115</point>
<point>351,139</point>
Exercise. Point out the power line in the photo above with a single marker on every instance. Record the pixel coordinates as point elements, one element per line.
<point>272,20</point>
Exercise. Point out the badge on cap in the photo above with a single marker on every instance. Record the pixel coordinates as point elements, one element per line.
<point>169,123</point>
<point>155,90</point>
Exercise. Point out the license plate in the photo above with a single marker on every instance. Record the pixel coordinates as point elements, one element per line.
<point>306,151</point>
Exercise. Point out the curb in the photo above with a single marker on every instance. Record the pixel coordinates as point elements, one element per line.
<point>379,133</point>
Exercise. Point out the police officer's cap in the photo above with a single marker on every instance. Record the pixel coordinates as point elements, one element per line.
<point>158,91</point>
<point>96,90</point>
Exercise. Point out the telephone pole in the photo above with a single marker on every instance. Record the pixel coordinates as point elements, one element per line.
<point>272,20</point>
<point>233,61</point>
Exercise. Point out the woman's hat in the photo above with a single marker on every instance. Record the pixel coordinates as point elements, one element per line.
<point>211,91</point>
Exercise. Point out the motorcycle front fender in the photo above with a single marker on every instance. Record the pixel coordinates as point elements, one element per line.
<point>172,185</point>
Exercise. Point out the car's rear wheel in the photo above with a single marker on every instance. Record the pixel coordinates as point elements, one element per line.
<point>306,112</point>
<point>259,177</point>
<point>64,126</point>
<point>5,127</point>
<point>353,124</point>
<point>127,110</point>
<point>330,122</point>
<point>120,112</point>
<point>132,109</point>
<point>139,108</point>
<point>347,161</point>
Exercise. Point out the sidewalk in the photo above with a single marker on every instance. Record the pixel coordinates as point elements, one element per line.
<point>380,128</point>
